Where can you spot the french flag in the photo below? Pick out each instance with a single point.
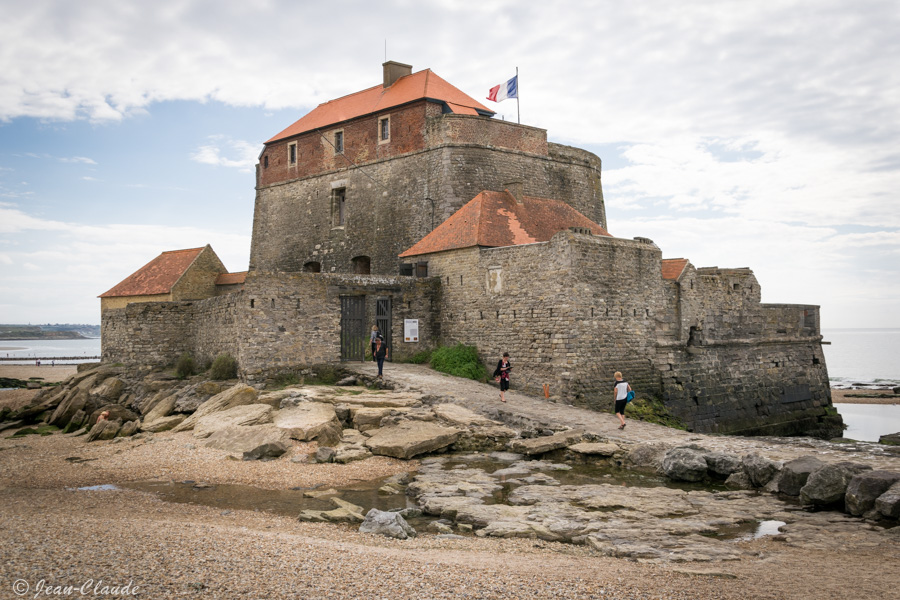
(501, 92)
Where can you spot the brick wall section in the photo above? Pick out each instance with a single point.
(393, 203)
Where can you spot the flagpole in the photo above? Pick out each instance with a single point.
(518, 117)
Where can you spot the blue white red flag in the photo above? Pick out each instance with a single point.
(501, 92)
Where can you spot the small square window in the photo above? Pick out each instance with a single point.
(339, 141)
(384, 129)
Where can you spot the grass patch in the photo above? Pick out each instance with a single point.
(653, 411)
(39, 430)
(459, 360)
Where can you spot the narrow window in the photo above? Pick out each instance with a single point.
(339, 142)
(292, 154)
(266, 161)
(338, 207)
(384, 129)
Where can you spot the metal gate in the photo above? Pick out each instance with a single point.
(383, 320)
(353, 328)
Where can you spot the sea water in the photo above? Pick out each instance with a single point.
(862, 357)
(27, 351)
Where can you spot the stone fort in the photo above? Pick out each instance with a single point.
(408, 206)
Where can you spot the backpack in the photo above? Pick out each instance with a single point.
(630, 396)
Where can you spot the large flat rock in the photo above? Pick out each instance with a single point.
(411, 438)
(244, 439)
(237, 395)
(595, 448)
(308, 421)
(459, 415)
(547, 443)
(237, 416)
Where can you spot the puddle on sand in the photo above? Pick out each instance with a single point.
(97, 488)
(752, 530)
(288, 503)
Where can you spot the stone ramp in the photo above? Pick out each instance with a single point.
(520, 408)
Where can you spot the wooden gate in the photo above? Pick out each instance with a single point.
(383, 320)
(354, 337)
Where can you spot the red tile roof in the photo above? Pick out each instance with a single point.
(418, 86)
(494, 219)
(231, 278)
(157, 276)
(672, 268)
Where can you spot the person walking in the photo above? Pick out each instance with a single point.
(375, 333)
(501, 374)
(620, 396)
(380, 352)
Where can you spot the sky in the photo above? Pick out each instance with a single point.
(735, 134)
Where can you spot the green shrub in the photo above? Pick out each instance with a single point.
(185, 367)
(459, 360)
(224, 367)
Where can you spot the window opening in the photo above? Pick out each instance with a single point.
(422, 269)
(362, 265)
(384, 129)
(266, 161)
(292, 154)
(338, 207)
(312, 267)
(339, 141)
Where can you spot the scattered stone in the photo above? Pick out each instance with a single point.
(129, 428)
(390, 524)
(325, 454)
(267, 451)
(865, 488)
(163, 408)
(345, 453)
(739, 481)
(104, 430)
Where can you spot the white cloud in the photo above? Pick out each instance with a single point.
(222, 151)
(79, 160)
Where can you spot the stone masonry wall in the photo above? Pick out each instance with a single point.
(146, 332)
(199, 280)
(393, 203)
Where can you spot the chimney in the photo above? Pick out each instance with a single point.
(515, 188)
(394, 71)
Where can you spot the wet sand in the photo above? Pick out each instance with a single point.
(45, 371)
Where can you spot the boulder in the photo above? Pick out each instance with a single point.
(346, 512)
(828, 485)
(104, 430)
(115, 412)
(310, 421)
(266, 451)
(390, 524)
(722, 464)
(888, 504)
(891, 439)
(325, 455)
(237, 395)
(739, 481)
(163, 423)
(684, 464)
(74, 401)
(410, 439)
(244, 439)
(191, 397)
(109, 390)
(128, 429)
(236, 416)
(865, 488)
(540, 445)
(647, 455)
(163, 408)
(761, 470)
(795, 474)
(345, 453)
(364, 418)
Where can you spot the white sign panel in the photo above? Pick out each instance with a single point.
(410, 330)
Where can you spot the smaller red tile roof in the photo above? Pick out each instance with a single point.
(494, 219)
(157, 276)
(231, 278)
(418, 86)
(672, 268)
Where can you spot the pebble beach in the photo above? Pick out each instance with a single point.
(56, 534)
